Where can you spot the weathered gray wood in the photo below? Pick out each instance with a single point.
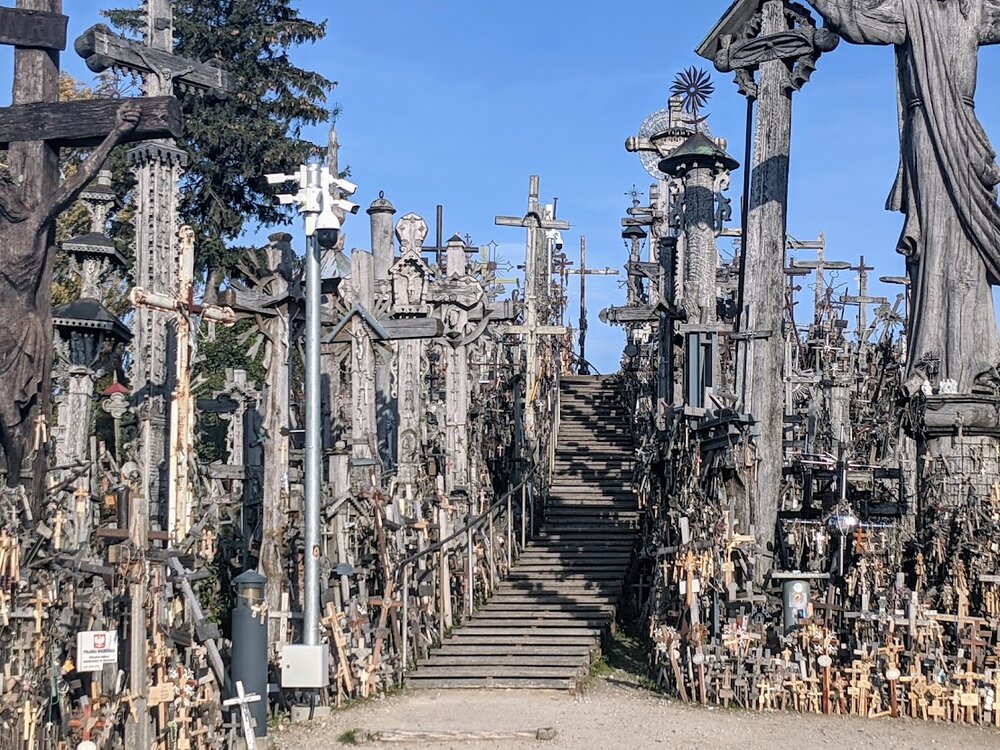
(952, 224)
(85, 124)
(22, 27)
(275, 405)
(363, 412)
(763, 360)
(103, 49)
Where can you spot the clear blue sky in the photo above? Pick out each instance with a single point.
(459, 102)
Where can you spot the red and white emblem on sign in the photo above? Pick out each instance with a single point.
(100, 640)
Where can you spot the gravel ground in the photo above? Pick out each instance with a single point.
(614, 712)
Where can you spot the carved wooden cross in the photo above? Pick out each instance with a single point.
(862, 298)
(180, 495)
(534, 222)
(33, 129)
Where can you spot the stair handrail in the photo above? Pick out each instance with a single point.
(401, 575)
(591, 370)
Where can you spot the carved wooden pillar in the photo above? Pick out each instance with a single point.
(779, 42)
(364, 430)
(275, 414)
(381, 212)
(410, 278)
(457, 386)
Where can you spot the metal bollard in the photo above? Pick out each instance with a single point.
(250, 644)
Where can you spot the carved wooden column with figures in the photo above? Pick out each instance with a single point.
(158, 166)
(410, 277)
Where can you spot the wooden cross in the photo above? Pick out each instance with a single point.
(33, 129)
(40, 602)
(332, 621)
(536, 224)
(243, 700)
(180, 496)
(862, 299)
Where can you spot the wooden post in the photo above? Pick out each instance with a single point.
(762, 359)
(364, 425)
(276, 445)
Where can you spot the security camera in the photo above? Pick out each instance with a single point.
(327, 228)
(327, 238)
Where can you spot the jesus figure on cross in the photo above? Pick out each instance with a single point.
(946, 185)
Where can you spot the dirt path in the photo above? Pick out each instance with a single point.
(614, 712)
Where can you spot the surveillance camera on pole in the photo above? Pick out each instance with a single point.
(320, 200)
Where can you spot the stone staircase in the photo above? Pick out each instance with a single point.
(543, 626)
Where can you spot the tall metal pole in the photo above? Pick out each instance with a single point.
(314, 300)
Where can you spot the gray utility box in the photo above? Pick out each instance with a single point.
(305, 666)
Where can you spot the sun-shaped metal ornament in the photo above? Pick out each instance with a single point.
(695, 88)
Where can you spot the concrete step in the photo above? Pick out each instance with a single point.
(416, 682)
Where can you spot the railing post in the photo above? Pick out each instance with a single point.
(510, 532)
(406, 617)
(524, 509)
(471, 580)
(490, 549)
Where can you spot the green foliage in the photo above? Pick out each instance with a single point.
(257, 129)
(230, 348)
(350, 737)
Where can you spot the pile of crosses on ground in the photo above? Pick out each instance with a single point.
(113, 608)
(876, 595)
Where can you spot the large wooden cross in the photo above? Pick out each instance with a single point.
(31, 197)
(535, 223)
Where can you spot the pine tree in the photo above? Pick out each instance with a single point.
(233, 143)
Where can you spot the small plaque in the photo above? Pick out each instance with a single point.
(825, 661)
(892, 675)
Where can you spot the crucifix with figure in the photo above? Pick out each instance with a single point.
(31, 197)
(180, 503)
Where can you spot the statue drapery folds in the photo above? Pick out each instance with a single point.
(946, 184)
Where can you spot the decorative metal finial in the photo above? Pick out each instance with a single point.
(695, 88)
(635, 194)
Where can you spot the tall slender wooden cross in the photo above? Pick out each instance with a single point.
(33, 129)
(535, 224)
(584, 272)
(180, 493)
(862, 299)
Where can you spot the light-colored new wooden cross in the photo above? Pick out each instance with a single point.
(180, 498)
